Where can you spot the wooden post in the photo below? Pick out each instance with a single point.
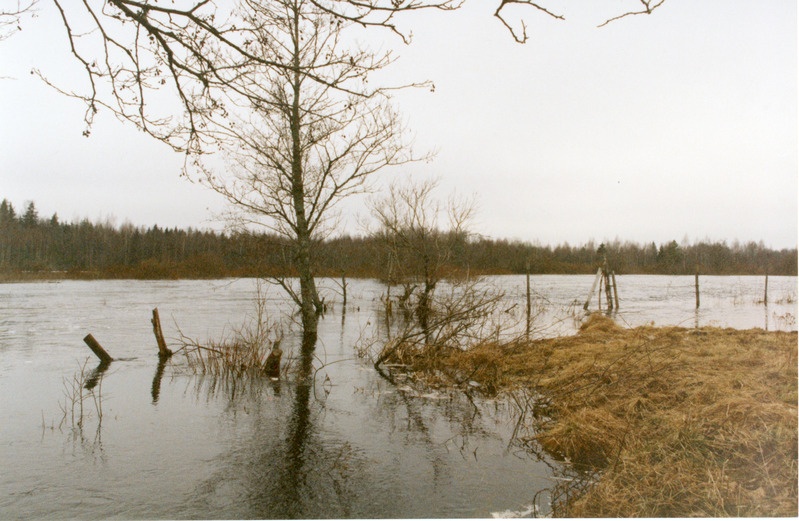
(163, 350)
(593, 288)
(606, 278)
(529, 303)
(344, 292)
(98, 350)
(615, 290)
(696, 284)
(599, 292)
(765, 292)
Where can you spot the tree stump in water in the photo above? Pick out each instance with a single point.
(98, 350)
(163, 350)
(272, 364)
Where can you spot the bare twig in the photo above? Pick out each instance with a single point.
(648, 8)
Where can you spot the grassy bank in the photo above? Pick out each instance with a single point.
(673, 421)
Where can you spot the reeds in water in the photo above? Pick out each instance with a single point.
(251, 350)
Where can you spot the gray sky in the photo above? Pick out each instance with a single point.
(679, 125)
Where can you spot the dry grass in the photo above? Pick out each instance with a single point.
(677, 422)
(229, 358)
(243, 354)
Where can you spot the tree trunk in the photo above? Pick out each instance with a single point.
(310, 305)
(423, 308)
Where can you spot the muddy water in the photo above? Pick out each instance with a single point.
(163, 444)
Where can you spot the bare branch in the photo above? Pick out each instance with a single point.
(521, 36)
(648, 8)
(10, 17)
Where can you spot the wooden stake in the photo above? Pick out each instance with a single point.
(98, 350)
(163, 350)
(696, 284)
(765, 292)
(529, 303)
(606, 279)
(344, 292)
(615, 289)
(593, 288)
(599, 293)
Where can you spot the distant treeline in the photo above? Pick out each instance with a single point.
(31, 246)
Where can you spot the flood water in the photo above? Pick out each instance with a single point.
(156, 442)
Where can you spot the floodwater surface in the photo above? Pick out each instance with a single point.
(156, 442)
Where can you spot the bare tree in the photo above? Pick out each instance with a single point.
(420, 237)
(446, 307)
(306, 132)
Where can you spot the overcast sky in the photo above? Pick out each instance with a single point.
(679, 125)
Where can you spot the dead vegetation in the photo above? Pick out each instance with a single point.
(249, 351)
(667, 421)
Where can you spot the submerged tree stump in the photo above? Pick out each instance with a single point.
(98, 350)
(163, 350)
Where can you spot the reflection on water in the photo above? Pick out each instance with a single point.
(155, 391)
(97, 374)
(338, 441)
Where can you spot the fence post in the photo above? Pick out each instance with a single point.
(696, 285)
(529, 304)
(602, 282)
(593, 288)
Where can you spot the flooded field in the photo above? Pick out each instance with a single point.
(155, 442)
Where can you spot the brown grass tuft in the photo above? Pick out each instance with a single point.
(598, 323)
(588, 437)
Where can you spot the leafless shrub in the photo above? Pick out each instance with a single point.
(461, 315)
(442, 307)
(76, 391)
